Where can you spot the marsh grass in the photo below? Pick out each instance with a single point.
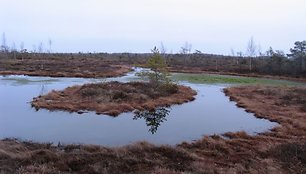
(227, 79)
(290, 154)
(113, 98)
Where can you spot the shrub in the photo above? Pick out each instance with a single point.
(88, 92)
(290, 154)
(119, 95)
(158, 74)
(169, 88)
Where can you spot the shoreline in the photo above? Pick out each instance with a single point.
(262, 153)
(113, 98)
(117, 72)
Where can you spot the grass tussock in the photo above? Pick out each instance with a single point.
(141, 157)
(291, 155)
(113, 98)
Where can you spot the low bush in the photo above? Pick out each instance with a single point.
(290, 154)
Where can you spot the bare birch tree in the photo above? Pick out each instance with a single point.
(22, 50)
(4, 47)
(14, 50)
(186, 50)
(40, 47)
(50, 45)
(251, 51)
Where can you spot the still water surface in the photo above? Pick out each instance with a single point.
(210, 113)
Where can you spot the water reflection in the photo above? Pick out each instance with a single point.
(153, 118)
(185, 122)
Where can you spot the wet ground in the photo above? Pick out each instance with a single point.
(211, 113)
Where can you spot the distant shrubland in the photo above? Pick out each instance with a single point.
(271, 62)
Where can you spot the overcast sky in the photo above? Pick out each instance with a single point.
(212, 26)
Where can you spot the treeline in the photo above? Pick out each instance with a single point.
(271, 63)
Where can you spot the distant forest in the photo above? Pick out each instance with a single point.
(272, 62)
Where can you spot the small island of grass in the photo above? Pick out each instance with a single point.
(113, 98)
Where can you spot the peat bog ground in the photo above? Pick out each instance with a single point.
(113, 98)
(281, 150)
(62, 67)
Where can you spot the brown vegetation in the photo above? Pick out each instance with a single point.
(113, 98)
(23, 157)
(62, 67)
(269, 66)
(282, 150)
(285, 105)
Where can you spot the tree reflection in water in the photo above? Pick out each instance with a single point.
(153, 118)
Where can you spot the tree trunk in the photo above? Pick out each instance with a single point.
(250, 67)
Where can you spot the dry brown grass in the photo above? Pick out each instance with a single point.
(137, 158)
(285, 105)
(113, 98)
(62, 67)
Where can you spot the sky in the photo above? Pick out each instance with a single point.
(211, 26)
